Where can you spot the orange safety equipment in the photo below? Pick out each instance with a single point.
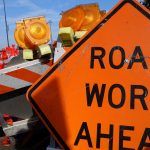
(72, 18)
(20, 36)
(92, 16)
(32, 32)
(81, 17)
(37, 30)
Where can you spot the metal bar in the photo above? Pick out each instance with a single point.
(19, 66)
(6, 24)
(20, 126)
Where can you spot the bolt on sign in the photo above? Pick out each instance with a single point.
(97, 96)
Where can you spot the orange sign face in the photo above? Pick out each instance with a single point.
(97, 96)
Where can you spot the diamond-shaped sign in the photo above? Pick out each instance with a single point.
(97, 95)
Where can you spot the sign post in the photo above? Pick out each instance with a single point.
(97, 96)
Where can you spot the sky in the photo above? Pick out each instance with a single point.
(51, 9)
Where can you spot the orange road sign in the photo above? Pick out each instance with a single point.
(97, 95)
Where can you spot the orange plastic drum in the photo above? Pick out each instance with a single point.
(37, 30)
(72, 18)
(92, 16)
(20, 36)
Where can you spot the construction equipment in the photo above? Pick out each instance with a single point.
(77, 21)
(32, 35)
